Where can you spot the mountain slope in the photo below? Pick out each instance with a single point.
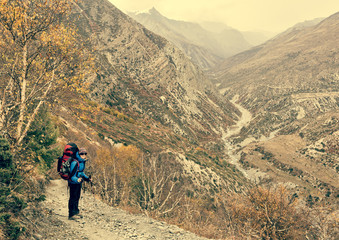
(144, 73)
(291, 86)
(256, 37)
(206, 48)
(298, 62)
(252, 37)
(147, 93)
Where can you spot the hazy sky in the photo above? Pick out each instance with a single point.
(269, 15)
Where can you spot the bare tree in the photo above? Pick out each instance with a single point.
(160, 189)
(267, 214)
(325, 223)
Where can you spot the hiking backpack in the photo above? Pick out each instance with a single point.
(64, 162)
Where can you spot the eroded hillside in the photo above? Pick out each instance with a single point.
(143, 73)
(291, 86)
(146, 93)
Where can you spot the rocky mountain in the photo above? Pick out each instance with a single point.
(163, 142)
(144, 73)
(291, 86)
(147, 93)
(205, 47)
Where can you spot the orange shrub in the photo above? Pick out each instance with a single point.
(267, 214)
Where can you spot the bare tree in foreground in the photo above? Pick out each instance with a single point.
(160, 191)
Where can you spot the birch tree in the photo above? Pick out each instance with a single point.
(39, 54)
(160, 191)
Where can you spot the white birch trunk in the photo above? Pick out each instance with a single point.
(36, 110)
(23, 84)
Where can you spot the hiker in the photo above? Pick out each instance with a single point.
(75, 180)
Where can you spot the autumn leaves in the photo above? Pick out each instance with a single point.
(40, 54)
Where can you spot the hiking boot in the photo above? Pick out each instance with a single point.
(78, 215)
(74, 217)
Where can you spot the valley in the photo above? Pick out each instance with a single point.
(231, 149)
(290, 85)
(267, 116)
(271, 111)
(278, 159)
(178, 128)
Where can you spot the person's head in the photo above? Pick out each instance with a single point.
(83, 153)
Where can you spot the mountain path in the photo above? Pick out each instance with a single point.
(100, 221)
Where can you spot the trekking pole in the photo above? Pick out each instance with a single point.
(93, 191)
(90, 177)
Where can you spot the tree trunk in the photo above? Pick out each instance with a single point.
(23, 84)
(35, 112)
(115, 192)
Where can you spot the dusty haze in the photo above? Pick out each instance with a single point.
(244, 15)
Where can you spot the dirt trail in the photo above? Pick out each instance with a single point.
(101, 221)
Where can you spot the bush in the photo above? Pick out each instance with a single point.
(268, 214)
(115, 169)
(13, 229)
(10, 202)
(40, 139)
(37, 152)
(5, 154)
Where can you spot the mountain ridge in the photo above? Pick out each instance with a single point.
(190, 36)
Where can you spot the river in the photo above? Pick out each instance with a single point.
(231, 150)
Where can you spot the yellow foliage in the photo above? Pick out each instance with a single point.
(115, 170)
(40, 54)
(121, 116)
(104, 159)
(199, 149)
(92, 103)
(125, 159)
(129, 161)
(116, 113)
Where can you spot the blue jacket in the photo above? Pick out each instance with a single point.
(80, 170)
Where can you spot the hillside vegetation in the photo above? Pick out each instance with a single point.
(154, 127)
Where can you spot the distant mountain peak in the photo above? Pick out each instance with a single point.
(154, 11)
(204, 46)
